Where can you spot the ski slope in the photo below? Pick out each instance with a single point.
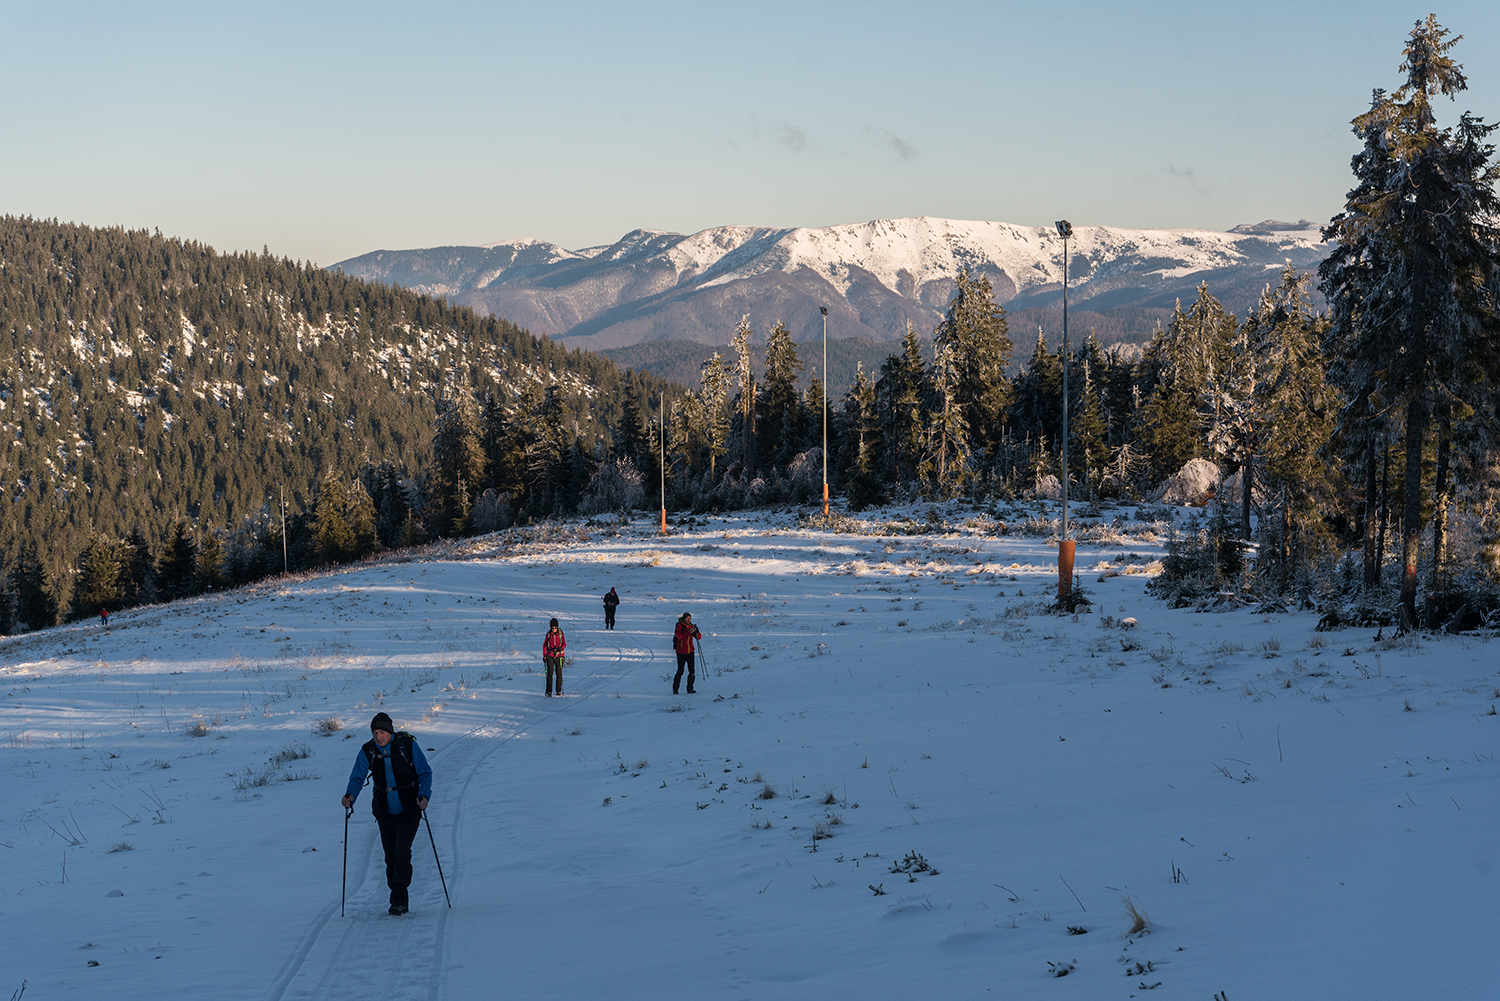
(1300, 814)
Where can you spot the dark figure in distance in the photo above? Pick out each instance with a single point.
(403, 782)
(611, 602)
(103, 615)
(682, 642)
(553, 645)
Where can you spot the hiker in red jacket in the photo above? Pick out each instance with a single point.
(553, 645)
(682, 642)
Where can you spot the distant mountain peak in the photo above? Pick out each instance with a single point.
(874, 276)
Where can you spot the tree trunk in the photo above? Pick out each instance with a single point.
(1247, 483)
(1385, 508)
(1417, 420)
(1440, 498)
(1372, 523)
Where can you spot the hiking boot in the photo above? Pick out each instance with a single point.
(691, 692)
(396, 910)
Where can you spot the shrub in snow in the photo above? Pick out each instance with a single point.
(1194, 483)
(1048, 488)
(491, 512)
(617, 484)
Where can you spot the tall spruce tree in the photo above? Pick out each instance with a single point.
(458, 463)
(1413, 281)
(975, 333)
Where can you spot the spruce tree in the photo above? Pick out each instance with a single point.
(101, 572)
(458, 462)
(975, 333)
(333, 540)
(1413, 280)
(780, 415)
(177, 573)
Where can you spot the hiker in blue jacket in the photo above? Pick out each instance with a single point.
(403, 783)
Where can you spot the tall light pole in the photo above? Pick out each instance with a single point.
(664, 462)
(1064, 544)
(824, 311)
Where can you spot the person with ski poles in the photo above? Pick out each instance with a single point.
(611, 602)
(682, 643)
(403, 784)
(553, 645)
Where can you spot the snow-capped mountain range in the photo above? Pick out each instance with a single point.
(873, 276)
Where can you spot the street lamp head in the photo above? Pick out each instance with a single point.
(823, 310)
(1064, 228)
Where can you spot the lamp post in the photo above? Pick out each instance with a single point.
(1064, 544)
(664, 462)
(824, 311)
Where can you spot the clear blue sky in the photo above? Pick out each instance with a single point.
(326, 130)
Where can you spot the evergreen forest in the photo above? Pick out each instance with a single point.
(157, 398)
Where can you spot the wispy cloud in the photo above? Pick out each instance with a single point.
(902, 149)
(788, 135)
(1189, 175)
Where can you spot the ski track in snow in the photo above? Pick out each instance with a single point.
(336, 959)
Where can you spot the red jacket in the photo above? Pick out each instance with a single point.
(554, 643)
(682, 639)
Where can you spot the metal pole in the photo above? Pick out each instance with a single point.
(283, 529)
(437, 860)
(1064, 544)
(344, 888)
(824, 311)
(1065, 393)
(664, 462)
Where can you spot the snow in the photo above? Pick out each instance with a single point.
(614, 844)
(914, 251)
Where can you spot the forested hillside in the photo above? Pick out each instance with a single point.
(147, 383)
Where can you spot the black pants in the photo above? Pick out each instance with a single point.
(684, 660)
(397, 832)
(554, 669)
(609, 616)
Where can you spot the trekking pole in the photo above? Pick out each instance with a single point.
(699, 644)
(344, 887)
(437, 860)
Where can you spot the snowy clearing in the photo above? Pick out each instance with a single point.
(900, 776)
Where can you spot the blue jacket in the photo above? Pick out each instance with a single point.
(401, 773)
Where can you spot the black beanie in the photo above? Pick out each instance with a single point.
(382, 722)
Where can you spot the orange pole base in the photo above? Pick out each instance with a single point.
(664, 521)
(825, 500)
(1065, 567)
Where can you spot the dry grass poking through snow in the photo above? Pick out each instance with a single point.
(1140, 922)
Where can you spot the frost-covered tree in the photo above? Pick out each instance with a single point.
(899, 395)
(975, 334)
(780, 416)
(1182, 362)
(1414, 276)
(945, 464)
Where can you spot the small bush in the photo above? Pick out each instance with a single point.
(123, 846)
(295, 751)
(767, 791)
(327, 726)
(197, 728)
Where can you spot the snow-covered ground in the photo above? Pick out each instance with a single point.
(1300, 814)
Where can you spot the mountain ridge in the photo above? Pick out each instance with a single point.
(874, 276)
